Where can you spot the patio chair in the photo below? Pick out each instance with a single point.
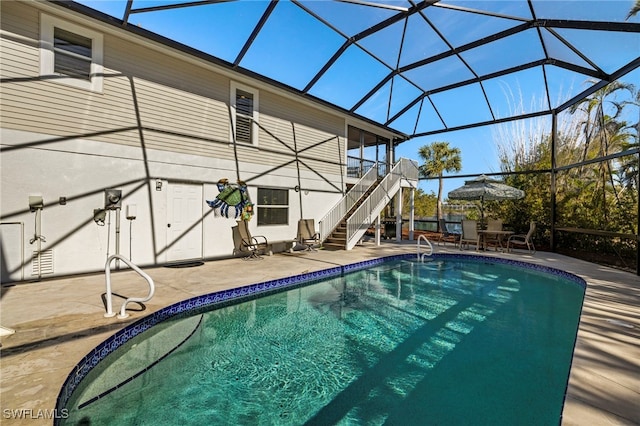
(307, 235)
(523, 240)
(244, 242)
(446, 236)
(493, 239)
(469, 233)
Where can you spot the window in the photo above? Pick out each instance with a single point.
(244, 116)
(244, 107)
(70, 54)
(273, 206)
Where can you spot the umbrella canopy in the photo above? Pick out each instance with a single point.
(484, 188)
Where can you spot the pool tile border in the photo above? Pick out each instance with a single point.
(80, 371)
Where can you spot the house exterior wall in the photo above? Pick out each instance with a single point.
(161, 118)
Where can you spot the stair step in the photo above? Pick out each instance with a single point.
(333, 246)
(331, 240)
(338, 238)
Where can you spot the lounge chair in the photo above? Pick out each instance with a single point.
(246, 243)
(445, 235)
(523, 240)
(469, 233)
(307, 235)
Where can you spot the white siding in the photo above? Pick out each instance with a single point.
(158, 118)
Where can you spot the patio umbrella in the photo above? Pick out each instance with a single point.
(484, 189)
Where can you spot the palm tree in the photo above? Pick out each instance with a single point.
(629, 168)
(604, 133)
(438, 158)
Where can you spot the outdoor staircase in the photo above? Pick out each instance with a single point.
(337, 240)
(346, 223)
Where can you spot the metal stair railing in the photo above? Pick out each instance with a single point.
(369, 210)
(422, 256)
(107, 271)
(333, 218)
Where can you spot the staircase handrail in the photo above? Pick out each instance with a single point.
(367, 212)
(331, 220)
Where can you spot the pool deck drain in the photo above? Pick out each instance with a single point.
(58, 321)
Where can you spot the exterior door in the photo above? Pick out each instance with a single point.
(184, 221)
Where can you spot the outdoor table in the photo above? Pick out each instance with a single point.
(482, 238)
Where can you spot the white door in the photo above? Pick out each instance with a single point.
(184, 221)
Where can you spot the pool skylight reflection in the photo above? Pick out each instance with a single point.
(288, 354)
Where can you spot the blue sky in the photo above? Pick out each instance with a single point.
(293, 46)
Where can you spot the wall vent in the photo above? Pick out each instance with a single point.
(45, 260)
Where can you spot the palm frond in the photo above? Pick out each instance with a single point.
(634, 10)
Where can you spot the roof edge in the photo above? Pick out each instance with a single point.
(120, 25)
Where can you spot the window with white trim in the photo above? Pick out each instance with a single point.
(273, 206)
(70, 54)
(245, 116)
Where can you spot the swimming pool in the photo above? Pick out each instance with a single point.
(456, 340)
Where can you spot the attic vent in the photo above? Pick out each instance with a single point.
(45, 261)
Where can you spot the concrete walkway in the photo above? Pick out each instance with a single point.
(58, 321)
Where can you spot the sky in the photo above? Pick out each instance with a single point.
(282, 51)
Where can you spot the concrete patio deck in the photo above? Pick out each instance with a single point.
(58, 321)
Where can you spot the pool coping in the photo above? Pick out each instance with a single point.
(234, 295)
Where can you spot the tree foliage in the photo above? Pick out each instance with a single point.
(593, 190)
(424, 204)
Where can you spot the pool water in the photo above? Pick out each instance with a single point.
(443, 342)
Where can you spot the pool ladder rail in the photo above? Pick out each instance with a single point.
(422, 256)
(107, 272)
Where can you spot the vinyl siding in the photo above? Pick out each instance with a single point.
(313, 133)
(33, 104)
(180, 106)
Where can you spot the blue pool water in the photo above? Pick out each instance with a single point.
(453, 341)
